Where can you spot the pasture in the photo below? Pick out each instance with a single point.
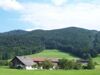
(7, 71)
(55, 54)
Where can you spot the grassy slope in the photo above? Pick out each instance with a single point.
(53, 54)
(97, 59)
(5, 71)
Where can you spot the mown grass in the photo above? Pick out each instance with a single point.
(53, 54)
(7, 71)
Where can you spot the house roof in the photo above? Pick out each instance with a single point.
(55, 60)
(39, 59)
(26, 60)
(43, 59)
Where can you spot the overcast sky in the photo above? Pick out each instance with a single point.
(49, 14)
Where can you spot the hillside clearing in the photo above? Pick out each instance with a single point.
(54, 54)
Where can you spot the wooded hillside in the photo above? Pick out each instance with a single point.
(77, 41)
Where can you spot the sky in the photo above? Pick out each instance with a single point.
(49, 14)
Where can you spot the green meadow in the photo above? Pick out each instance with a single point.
(7, 71)
(56, 54)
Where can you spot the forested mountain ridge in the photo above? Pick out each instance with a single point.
(77, 41)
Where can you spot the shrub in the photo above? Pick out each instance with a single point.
(69, 64)
(90, 64)
(3, 63)
(47, 64)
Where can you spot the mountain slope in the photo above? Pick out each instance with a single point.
(77, 41)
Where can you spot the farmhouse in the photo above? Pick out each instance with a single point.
(21, 62)
(28, 63)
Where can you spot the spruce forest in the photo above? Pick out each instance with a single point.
(76, 41)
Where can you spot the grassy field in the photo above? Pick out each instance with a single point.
(53, 54)
(7, 71)
(97, 59)
(56, 54)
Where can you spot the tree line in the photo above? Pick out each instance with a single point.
(77, 41)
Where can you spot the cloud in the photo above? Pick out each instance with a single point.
(55, 15)
(48, 16)
(10, 5)
(28, 29)
(59, 2)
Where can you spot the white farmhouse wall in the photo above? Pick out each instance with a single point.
(28, 68)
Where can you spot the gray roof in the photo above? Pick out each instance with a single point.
(26, 60)
(54, 59)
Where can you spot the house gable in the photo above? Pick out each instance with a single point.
(15, 63)
(23, 62)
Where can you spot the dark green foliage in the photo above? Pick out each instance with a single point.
(69, 64)
(90, 64)
(77, 41)
(63, 63)
(78, 65)
(3, 63)
(47, 64)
